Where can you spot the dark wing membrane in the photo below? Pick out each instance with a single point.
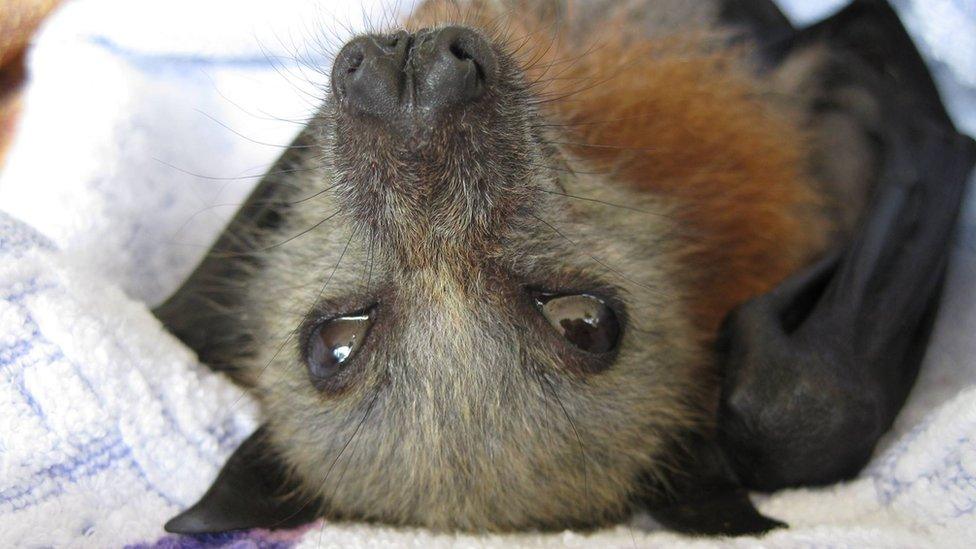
(253, 490)
(205, 312)
(761, 20)
(703, 495)
(872, 38)
(817, 370)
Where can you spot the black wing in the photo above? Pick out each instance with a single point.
(817, 370)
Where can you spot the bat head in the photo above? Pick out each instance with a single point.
(460, 322)
(464, 356)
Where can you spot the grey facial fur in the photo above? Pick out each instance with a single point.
(464, 408)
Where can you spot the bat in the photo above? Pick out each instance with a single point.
(540, 265)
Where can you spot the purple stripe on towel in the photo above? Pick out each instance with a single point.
(229, 540)
(247, 539)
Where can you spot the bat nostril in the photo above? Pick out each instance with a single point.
(455, 69)
(459, 51)
(367, 75)
(355, 60)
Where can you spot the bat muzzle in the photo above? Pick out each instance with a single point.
(415, 76)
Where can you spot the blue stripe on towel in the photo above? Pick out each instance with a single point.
(153, 62)
(16, 236)
(90, 458)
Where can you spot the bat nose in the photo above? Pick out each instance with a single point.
(452, 67)
(426, 73)
(368, 76)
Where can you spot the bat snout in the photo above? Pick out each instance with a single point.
(433, 141)
(404, 76)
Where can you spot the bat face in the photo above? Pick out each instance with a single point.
(483, 296)
(466, 353)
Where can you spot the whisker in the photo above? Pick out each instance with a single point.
(263, 115)
(303, 233)
(305, 317)
(579, 440)
(239, 178)
(594, 122)
(676, 230)
(230, 254)
(545, 399)
(370, 258)
(255, 141)
(603, 146)
(249, 203)
(359, 426)
(605, 203)
(574, 171)
(601, 263)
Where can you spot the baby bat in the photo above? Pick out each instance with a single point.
(536, 265)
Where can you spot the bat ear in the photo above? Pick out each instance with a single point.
(252, 491)
(706, 498)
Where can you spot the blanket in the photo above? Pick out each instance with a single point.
(144, 126)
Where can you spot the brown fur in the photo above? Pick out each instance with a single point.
(19, 20)
(693, 130)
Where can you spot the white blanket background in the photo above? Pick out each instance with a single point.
(146, 124)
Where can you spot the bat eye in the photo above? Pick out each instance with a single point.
(584, 320)
(334, 341)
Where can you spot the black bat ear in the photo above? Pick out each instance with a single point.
(705, 497)
(252, 491)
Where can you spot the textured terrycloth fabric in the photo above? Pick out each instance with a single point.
(98, 437)
(145, 124)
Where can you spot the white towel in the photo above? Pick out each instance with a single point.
(109, 426)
